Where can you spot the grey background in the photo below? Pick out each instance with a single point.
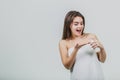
(30, 31)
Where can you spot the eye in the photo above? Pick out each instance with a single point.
(81, 23)
(75, 24)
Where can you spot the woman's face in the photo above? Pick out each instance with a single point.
(77, 26)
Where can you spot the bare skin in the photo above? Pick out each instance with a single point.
(64, 45)
(77, 41)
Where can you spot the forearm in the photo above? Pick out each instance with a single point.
(71, 59)
(101, 55)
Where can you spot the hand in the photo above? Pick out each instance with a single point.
(94, 43)
(81, 43)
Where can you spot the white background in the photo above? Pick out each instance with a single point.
(30, 31)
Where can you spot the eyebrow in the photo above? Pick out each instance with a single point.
(78, 22)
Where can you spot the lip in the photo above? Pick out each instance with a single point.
(78, 31)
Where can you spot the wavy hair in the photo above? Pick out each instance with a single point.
(67, 22)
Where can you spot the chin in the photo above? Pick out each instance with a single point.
(78, 35)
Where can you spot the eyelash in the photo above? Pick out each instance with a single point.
(81, 23)
(77, 24)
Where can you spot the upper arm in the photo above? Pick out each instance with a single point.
(63, 50)
(101, 55)
(93, 36)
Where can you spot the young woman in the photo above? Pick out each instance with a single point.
(77, 49)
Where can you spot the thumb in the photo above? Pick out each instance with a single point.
(77, 45)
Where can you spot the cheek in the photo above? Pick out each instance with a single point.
(82, 27)
(73, 28)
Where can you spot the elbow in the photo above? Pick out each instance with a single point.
(67, 66)
(102, 59)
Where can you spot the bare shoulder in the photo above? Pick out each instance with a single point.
(91, 35)
(62, 43)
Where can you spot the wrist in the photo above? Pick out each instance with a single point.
(76, 49)
(101, 48)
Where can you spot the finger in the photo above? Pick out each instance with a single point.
(77, 45)
(94, 45)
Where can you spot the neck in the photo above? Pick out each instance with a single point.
(78, 37)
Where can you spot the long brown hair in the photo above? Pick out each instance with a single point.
(67, 22)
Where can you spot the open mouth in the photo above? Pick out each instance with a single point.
(78, 30)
